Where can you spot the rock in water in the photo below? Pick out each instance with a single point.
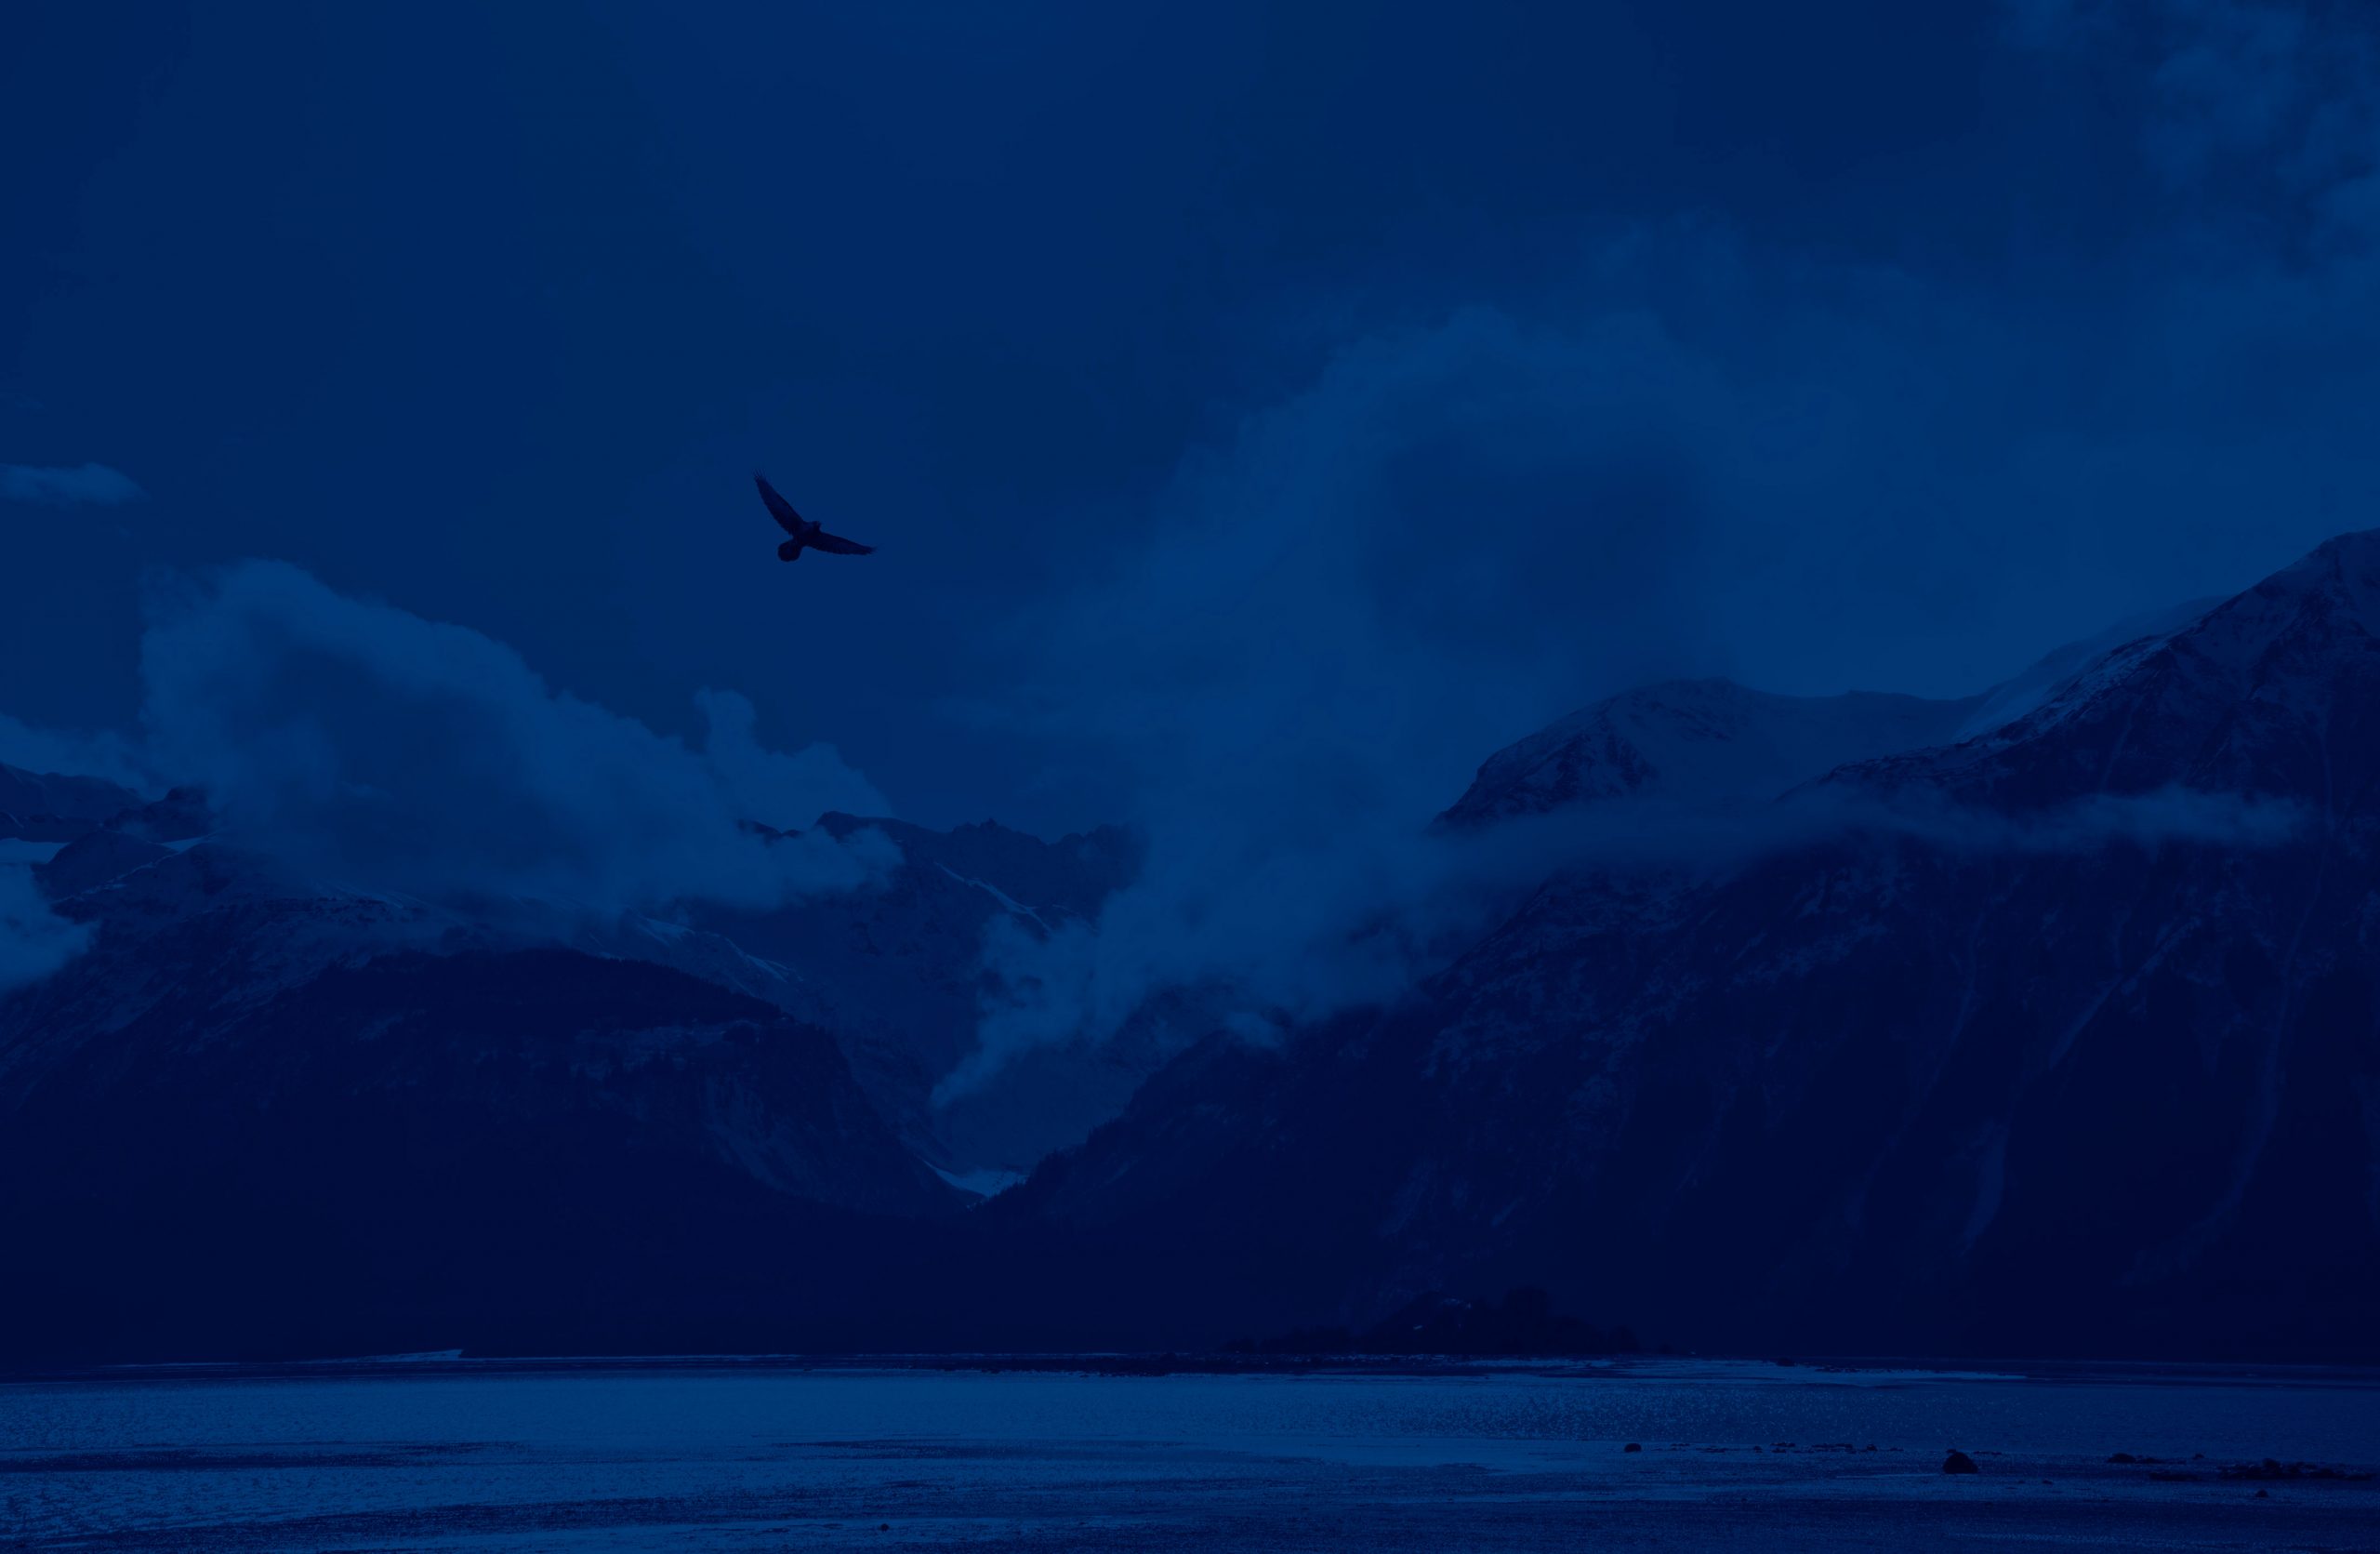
(1958, 1462)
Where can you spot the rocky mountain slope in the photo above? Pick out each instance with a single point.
(1713, 742)
(259, 1081)
(895, 973)
(421, 1150)
(1699, 742)
(2040, 1021)
(2061, 1039)
(892, 971)
(47, 806)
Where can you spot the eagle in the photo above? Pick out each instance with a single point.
(806, 535)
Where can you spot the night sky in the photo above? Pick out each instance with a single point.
(1257, 406)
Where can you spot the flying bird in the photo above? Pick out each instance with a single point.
(806, 535)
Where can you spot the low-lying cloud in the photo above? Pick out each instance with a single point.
(35, 940)
(105, 753)
(1702, 450)
(86, 484)
(2172, 816)
(803, 784)
(1268, 944)
(378, 748)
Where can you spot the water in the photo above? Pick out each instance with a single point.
(456, 1456)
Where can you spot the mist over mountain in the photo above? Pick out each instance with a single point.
(1590, 773)
(368, 745)
(2040, 1020)
(1886, 1087)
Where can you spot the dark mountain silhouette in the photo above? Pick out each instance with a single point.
(896, 972)
(1999, 1087)
(2059, 1034)
(892, 970)
(45, 807)
(1698, 741)
(1714, 742)
(538, 1147)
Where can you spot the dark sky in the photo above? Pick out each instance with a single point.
(1227, 386)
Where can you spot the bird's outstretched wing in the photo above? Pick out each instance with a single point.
(839, 546)
(779, 508)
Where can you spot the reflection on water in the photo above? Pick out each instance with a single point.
(456, 1456)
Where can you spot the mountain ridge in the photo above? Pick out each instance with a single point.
(1868, 1088)
(2083, 1063)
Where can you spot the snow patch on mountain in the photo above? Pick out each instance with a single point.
(2055, 1038)
(2054, 672)
(1696, 742)
(1008, 903)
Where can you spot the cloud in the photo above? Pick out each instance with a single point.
(1260, 940)
(1700, 455)
(35, 941)
(2172, 816)
(93, 484)
(1703, 451)
(788, 791)
(2279, 100)
(105, 753)
(379, 748)
(1298, 937)
(1453, 531)
(1372, 578)
(1460, 531)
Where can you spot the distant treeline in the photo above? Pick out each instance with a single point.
(1523, 1324)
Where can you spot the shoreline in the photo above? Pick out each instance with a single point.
(1684, 1368)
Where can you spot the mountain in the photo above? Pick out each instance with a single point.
(2042, 1021)
(1706, 742)
(895, 972)
(278, 1083)
(261, 1112)
(892, 970)
(2063, 1038)
(262, 1115)
(2061, 667)
(46, 807)
(281, 1125)
(1696, 742)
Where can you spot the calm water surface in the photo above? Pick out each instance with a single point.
(1734, 1457)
